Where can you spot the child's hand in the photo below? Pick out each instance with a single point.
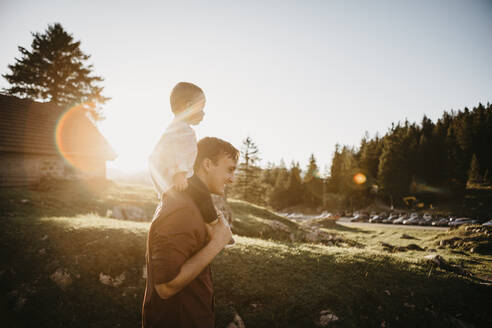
(180, 182)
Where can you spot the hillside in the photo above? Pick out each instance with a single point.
(65, 264)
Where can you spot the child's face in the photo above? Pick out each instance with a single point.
(195, 112)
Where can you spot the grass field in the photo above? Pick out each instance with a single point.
(268, 279)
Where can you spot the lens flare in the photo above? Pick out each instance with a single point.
(359, 178)
(73, 138)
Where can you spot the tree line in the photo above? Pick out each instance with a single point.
(429, 161)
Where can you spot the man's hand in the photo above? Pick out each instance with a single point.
(219, 233)
(180, 182)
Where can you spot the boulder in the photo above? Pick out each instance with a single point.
(110, 281)
(278, 226)
(319, 236)
(436, 259)
(62, 278)
(326, 317)
(126, 212)
(237, 322)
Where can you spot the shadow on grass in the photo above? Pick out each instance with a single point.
(343, 228)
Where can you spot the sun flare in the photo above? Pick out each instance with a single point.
(359, 178)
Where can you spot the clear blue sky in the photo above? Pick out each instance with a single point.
(297, 76)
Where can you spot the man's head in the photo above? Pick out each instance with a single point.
(215, 163)
(187, 102)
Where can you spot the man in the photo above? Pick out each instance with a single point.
(180, 245)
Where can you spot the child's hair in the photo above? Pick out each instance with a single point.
(212, 148)
(184, 93)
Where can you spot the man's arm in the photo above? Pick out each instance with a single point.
(219, 234)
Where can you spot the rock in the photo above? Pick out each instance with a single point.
(105, 279)
(405, 236)
(436, 259)
(42, 251)
(414, 247)
(237, 322)
(312, 236)
(25, 201)
(126, 212)
(326, 317)
(117, 281)
(110, 281)
(44, 237)
(317, 236)
(278, 226)
(62, 278)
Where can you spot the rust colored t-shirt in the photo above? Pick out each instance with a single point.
(177, 232)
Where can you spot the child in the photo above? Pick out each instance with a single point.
(172, 160)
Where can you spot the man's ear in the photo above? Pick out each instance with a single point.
(207, 164)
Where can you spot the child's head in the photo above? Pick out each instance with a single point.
(188, 101)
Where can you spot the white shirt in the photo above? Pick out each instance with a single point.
(175, 152)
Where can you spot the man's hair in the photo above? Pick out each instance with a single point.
(212, 148)
(184, 93)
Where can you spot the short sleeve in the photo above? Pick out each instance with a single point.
(174, 241)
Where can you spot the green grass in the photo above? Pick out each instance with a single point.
(269, 281)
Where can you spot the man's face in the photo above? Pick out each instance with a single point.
(221, 174)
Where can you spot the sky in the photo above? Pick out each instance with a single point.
(297, 77)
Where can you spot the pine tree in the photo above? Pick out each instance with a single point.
(247, 185)
(268, 175)
(456, 165)
(294, 185)
(393, 175)
(474, 174)
(278, 196)
(55, 70)
(313, 184)
(370, 152)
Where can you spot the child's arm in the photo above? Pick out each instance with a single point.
(179, 181)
